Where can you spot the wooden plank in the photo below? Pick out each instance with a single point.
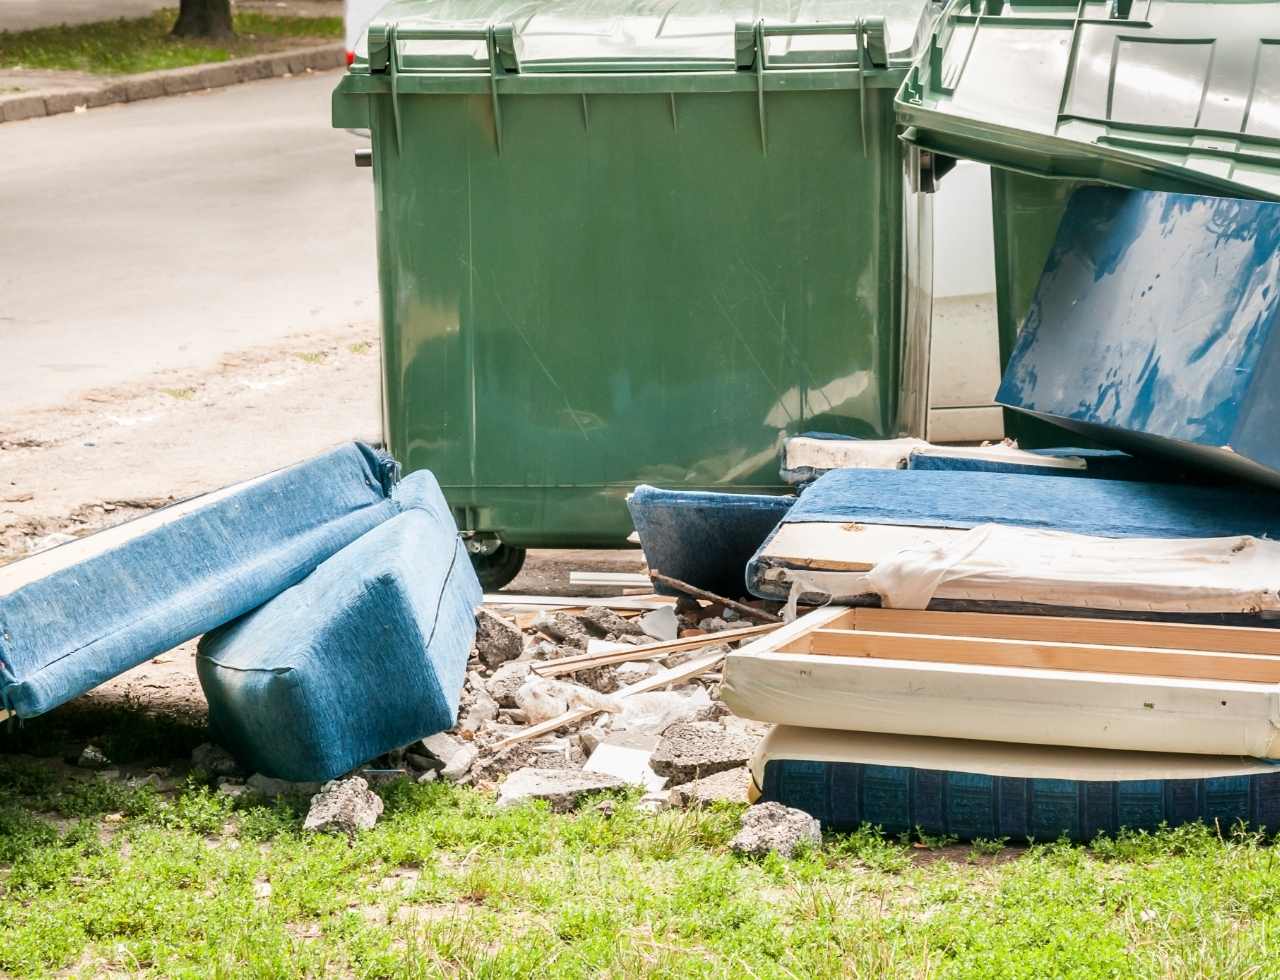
(672, 675)
(647, 651)
(612, 579)
(1108, 632)
(849, 547)
(617, 603)
(1039, 655)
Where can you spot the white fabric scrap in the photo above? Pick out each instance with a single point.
(994, 562)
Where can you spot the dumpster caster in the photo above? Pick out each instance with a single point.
(498, 567)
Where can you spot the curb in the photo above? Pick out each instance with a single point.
(174, 81)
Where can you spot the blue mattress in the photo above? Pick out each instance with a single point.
(705, 539)
(844, 794)
(1156, 328)
(80, 614)
(365, 655)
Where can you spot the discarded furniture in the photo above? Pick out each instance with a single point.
(705, 539)
(850, 521)
(990, 790)
(366, 654)
(1104, 684)
(1156, 327)
(79, 614)
(590, 277)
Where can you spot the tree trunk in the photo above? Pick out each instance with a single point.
(204, 18)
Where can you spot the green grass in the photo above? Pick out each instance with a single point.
(446, 885)
(143, 44)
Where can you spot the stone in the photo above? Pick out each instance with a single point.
(497, 640)
(715, 624)
(214, 759)
(603, 621)
(22, 106)
(271, 787)
(442, 746)
(660, 624)
(523, 755)
(343, 805)
(232, 789)
(729, 786)
(430, 776)
(423, 763)
(506, 681)
(561, 788)
(696, 749)
(92, 757)
(633, 671)
(460, 764)
(483, 708)
(563, 628)
(773, 827)
(146, 86)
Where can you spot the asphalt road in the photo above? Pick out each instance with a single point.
(166, 233)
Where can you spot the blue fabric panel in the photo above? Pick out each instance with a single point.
(844, 796)
(1154, 328)
(1108, 508)
(704, 539)
(964, 464)
(175, 578)
(366, 654)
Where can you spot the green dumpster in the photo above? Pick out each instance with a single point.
(626, 243)
(1172, 95)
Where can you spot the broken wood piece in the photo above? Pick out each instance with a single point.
(647, 651)
(750, 612)
(618, 580)
(641, 603)
(672, 675)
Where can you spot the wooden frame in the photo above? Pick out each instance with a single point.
(1228, 653)
(1114, 684)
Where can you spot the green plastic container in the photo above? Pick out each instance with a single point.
(1172, 95)
(626, 243)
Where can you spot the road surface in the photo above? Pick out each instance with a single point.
(164, 234)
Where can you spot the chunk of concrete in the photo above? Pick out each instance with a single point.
(563, 628)
(460, 764)
(603, 621)
(729, 786)
(344, 806)
(506, 681)
(92, 757)
(561, 788)
(696, 749)
(497, 640)
(442, 746)
(774, 827)
(660, 624)
(627, 757)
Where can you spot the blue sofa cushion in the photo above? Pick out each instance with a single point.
(365, 655)
(79, 614)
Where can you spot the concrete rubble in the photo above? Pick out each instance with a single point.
(770, 827)
(497, 639)
(343, 806)
(729, 786)
(561, 788)
(695, 749)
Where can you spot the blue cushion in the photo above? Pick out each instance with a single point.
(78, 615)
(365, 655)
(704, 539)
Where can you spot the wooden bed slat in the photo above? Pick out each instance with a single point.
(1038, 654)
(1107, 632)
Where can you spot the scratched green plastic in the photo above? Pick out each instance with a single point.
(643, 284)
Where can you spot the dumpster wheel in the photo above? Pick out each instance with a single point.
(498, 567)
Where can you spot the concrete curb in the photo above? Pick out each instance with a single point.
(175, 81)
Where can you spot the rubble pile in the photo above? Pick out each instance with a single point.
(676, 740)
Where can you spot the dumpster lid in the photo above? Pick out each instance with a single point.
(569, 36)
(1160, 94)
